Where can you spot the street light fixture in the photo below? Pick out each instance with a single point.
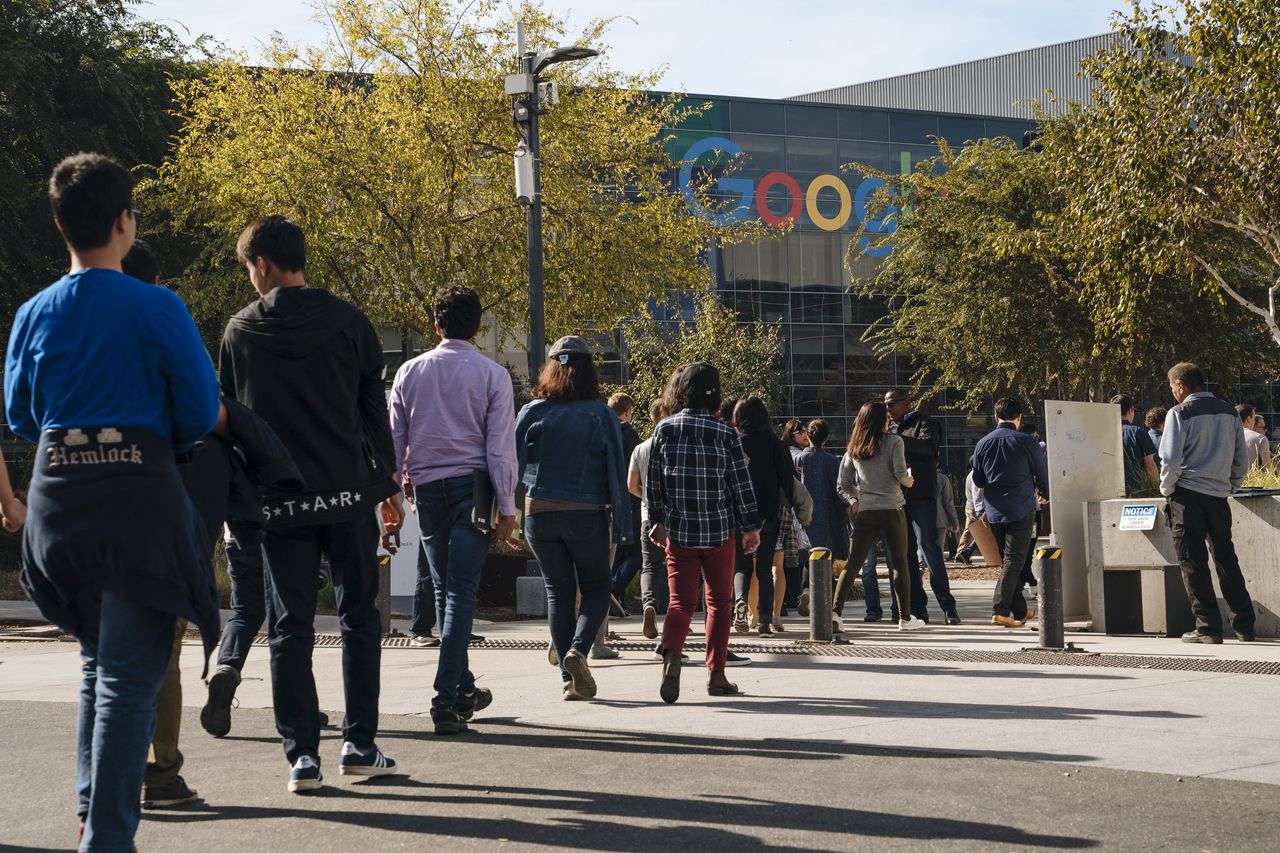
(528, 98)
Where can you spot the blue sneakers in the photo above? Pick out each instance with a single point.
(305, 775)
(369, 763)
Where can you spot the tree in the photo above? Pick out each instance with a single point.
(75, 75)
(392, 146)
(748, 355)
(1178, 160)
(988, 283)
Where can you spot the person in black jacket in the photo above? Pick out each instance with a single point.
(772, 476)
(922, 435)
(627, 558)
(311, 366)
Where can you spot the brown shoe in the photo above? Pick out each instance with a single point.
(718, 685)
(1006, 621)
(670, 689)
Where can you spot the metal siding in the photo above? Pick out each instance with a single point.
(999, 86)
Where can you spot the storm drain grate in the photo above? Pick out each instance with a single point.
(1024, 657)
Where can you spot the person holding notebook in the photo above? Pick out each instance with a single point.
(453, 428)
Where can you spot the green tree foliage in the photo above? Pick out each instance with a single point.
(392, 145)
(1178, 161)
(75, 75)
(989, 284)
(748, 355)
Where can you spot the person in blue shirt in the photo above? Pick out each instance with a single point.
(1139, 450)
(109, 376)
(1010, 468)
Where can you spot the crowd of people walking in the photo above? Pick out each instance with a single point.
(293, 453)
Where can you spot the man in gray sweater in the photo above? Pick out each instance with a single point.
(1203, 458)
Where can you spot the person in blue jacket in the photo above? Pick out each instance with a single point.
(109, 376)
(569, 448)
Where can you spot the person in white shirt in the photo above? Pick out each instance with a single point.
(1256, 443)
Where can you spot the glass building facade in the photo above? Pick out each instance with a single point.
(788, 162)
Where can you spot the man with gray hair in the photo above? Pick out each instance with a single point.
(1203, 459)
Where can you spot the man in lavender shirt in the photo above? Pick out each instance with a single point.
(452, 415)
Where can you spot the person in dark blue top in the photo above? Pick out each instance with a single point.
(569, 448)
(1139, 450)
(1010, 468)
(109, 375)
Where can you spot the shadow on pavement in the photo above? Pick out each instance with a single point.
(606, 820)
(509, 732)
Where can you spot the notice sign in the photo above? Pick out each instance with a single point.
(1138, 517)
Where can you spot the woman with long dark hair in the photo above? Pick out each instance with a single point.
(699, 498)
(569, 446)
(873, 474)
(772, 478)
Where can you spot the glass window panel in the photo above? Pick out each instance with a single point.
(774, 303)
(815, 259)
(812, 121)
(758, 117)
(816, 402)
(816, 354)
(763, 153)
(864, 124)
(863, 368)
(811, 155)
(1011, 129)
(874, 154)
(957, 130)
(912, 127)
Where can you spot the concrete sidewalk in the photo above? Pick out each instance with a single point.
(1185, 723)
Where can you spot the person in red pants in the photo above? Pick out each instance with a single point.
(698, 496)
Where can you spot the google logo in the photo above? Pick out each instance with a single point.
(754, 194)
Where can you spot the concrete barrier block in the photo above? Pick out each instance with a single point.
(531, 597)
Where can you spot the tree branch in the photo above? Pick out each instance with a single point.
(1268, 316)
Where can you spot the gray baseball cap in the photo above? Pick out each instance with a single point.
(569, 345)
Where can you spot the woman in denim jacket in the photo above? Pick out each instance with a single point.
(569, 446)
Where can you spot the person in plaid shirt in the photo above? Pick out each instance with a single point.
(698, 496)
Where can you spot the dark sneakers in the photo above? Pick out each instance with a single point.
(469, 703)
(172, 793)
(1246, 636)
(448, 721)
(215, 716)
(1198, 636)
(305, 775)
(371, 762)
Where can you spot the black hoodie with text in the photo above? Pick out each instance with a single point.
(310, 365)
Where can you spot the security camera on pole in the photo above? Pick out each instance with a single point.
(529, 97)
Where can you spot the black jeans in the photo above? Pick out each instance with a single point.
(1014, 538)
(423, 620)
(572, 547)
(1193, 517)
(761, 564)
(870, 525)
(292, 561)
(653, 574)
(248, 604)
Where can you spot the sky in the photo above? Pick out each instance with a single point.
(756, 48)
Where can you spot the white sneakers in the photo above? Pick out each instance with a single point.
(837, 623)
(912, 624)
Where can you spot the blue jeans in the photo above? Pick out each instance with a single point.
(248, 605)
(125, 649)
(922, 535)
(870, 586)
(456, 552)
(572, 548)
(423, 620)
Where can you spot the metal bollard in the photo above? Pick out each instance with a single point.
(384, 593)
(820, 595)
(1049, 597)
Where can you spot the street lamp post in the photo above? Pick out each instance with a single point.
(528, 96)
